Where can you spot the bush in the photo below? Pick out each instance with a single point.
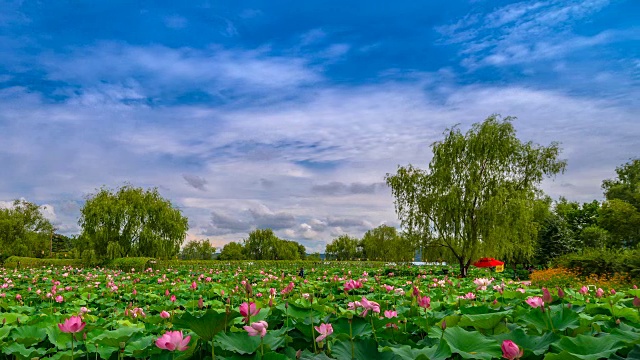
(126, 264)
(23, 262)
(602, 262)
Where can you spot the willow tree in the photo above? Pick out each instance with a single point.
(131, 222)
(477, 197)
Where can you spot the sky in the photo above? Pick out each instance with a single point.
(288, 115)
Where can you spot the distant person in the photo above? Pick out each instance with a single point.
(301, 273)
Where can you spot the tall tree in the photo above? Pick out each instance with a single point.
(24, 231)
(384, 243)
(232, 251)
(344, 247)
(261, 245)
(620, 213)
(477, 197)
(198, 250)
(132, 221)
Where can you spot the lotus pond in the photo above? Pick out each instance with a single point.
(337, 311)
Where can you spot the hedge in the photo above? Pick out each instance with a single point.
(18, 261)
(128, 263)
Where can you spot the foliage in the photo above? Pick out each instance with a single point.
(620, 214)
(24, 231)
(27, 262)
(232, 251)
(127, 264)
(125, 312)
(198, 250)
(384, 243)
(344, 247)
(477, 197)
(622, 221)
(263, 244)
(131, 221)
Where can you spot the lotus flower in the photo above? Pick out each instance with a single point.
(165, 315)
(369, 305)
(599, 292)
(546, 296)
(510, 350)
(352, 284)
(636, 302)
(535, 301)
(72, 325)
(389, 314)
(248, 309)
(257, 328)
(424, 302)
(583, 290)
(173, 340)
(324, 330)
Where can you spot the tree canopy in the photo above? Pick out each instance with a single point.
(131, 221)
(620, 213)
(24, 231)
(198, 250)
(477, 197)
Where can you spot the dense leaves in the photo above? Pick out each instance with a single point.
(374, 313)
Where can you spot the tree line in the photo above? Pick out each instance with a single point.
(479, 196)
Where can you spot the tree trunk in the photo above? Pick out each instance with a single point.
(464, 267)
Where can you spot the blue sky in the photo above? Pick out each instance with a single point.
(289, 114)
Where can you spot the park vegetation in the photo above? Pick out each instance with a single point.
(479, 196)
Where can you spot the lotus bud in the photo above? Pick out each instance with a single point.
(200, 303)
(560, 293)
(444, 325)
(636, 302)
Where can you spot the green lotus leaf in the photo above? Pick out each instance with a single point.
(589, 347)
(471, 344)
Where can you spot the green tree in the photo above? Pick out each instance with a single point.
(626, 186)
(384, 243)
(622, 220)
(24, 231)
(344, 247)
(261, 245)
(620, 213)
(232, 251)
(132, 222)
(198, 250)
(477, 197)
(287, 250)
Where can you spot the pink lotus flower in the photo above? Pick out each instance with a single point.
(546, 296)
(388, 288)
(424, 302)
(194, 285)
(389, 314)
(247, 310)
(72, 325)
(482, 283)
(535, 301)
(257, 328)
(165, 315)
(173, 340)
(59, 299)
(510, 350)
(352, 284)
(200, 303)
(636, 301)
(415, 292)
(324, 330)
(173, 298)
(583, 290)
(369, 305)
(135, 292)
(599, 293)
(18, 297)
(612, 291)
(560, 293)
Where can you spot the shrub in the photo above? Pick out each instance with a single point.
(128, 263)
(17, 261)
